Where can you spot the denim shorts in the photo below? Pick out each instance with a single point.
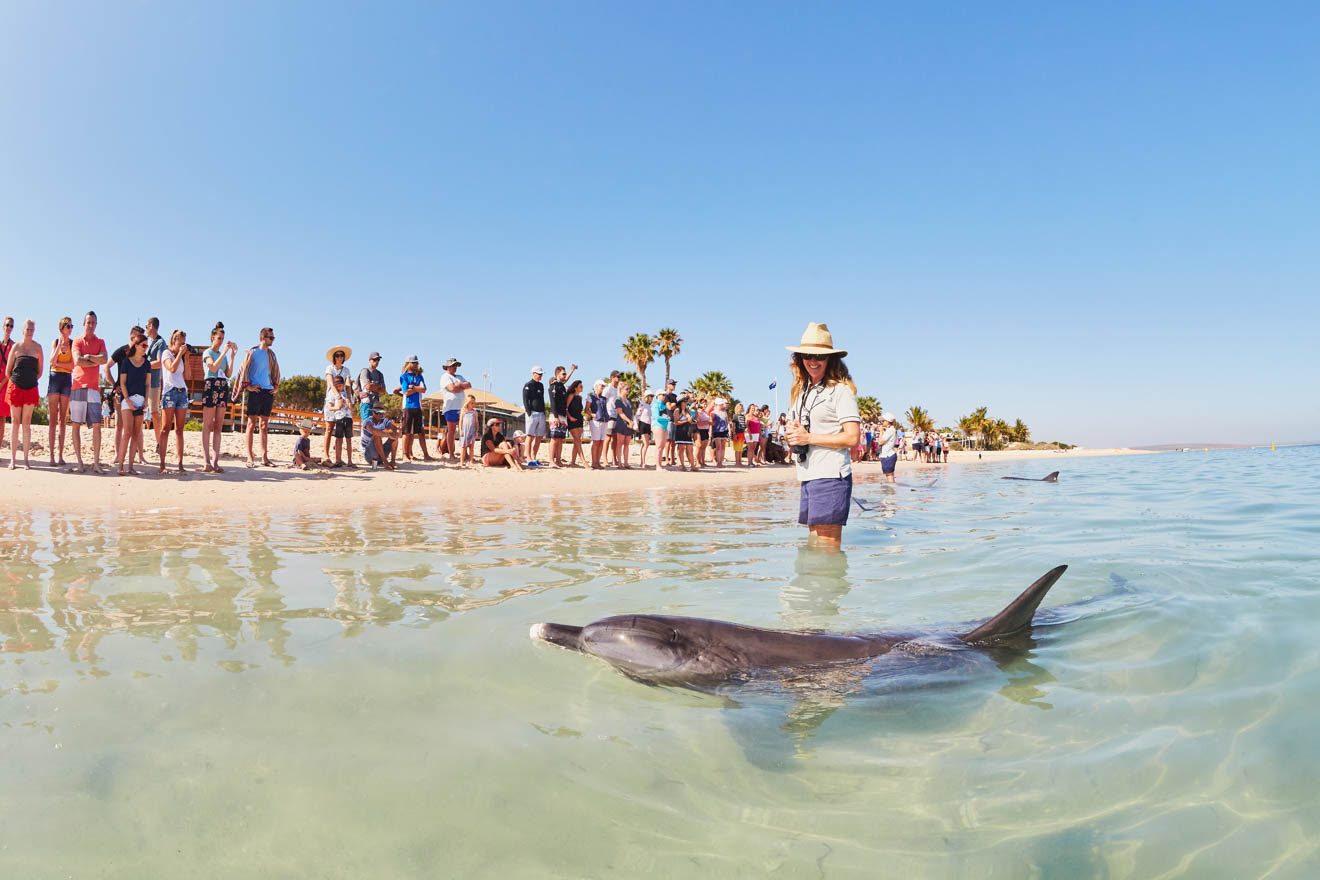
(174, 398)
(59, 383)
(825, 502)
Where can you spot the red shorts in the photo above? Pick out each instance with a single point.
(17, 397)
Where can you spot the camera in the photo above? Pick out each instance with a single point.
(800, 451)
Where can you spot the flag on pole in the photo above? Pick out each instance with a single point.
(773, 384)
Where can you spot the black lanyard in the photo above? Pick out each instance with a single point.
(803, 409)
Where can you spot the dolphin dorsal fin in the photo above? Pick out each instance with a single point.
(1052, 478)
(1018, 614)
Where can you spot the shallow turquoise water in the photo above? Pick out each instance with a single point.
(220, 696)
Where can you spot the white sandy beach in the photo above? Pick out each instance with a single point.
(414, 484)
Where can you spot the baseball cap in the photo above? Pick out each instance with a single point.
(538, 371)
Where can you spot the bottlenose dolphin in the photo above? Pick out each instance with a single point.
(697, 653)
(1050, 478)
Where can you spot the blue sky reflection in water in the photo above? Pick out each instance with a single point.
(358, 697)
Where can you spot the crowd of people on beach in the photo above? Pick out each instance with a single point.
(143, 385)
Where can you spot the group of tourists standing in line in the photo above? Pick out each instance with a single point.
(147, 376)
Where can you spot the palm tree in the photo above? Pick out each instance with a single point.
(869, 409)
(919, 419)
(998, 430)
(713, 384)
(978, 423)
(667, 345)
(639, 351)
(1020, 433)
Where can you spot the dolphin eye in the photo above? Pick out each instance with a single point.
(673, 636)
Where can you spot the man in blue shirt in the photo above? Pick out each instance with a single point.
(261, 375)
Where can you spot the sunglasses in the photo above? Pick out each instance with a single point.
(815, 357)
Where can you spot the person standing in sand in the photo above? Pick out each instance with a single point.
(412, 386)
(575, 422)
(559, 415)
(534, 411)
(454, 390)
(218, 363)
(370, 386)
(624, 427)
(85, 399)
(155, 350)
(260, 376)
(134, 378)
(173, 397)
(6, 346)
(22, 376)
(661, 423)
(826, 421)
(58, 388)
(644, 424)
(336, 368)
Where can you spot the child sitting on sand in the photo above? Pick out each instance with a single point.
(302, 451)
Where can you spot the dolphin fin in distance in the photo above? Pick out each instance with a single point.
(1051, 478)
(1018, 614)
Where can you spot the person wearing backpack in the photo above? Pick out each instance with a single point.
(259, 376)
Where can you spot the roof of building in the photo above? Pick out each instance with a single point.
(483, 399)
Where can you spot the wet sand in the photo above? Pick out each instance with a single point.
(416, 484)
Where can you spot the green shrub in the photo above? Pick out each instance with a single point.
(192, 425)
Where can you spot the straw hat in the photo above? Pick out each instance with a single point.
(330, 353)
(816, 339)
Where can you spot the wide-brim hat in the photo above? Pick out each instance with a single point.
(453, 362)
(307, 425)
(330, 353)
(816, 339)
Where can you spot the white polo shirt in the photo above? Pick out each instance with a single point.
(825, 410)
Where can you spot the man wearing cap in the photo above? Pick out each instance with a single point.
(611, 395)
(379, 439)
(534, 410)
(453, 389)
(824, 425)
(888, 453)
(370, 386)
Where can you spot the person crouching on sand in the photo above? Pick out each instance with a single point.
(497, 451)
(302, 450)
(380, 440)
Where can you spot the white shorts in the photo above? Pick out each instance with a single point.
(753, 438)
(597, 431)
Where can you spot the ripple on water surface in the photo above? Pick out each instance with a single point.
(354, 695)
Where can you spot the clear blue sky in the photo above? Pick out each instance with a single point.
(1101, 219)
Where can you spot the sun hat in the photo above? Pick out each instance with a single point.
(493, 420)
(538, 371)
(453, 362)
(719, 401)
(307, 424)
(330, 353)
(889, 417)
(816, 339)
(413, 359)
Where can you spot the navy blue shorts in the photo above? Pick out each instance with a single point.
(826, 502)
(887, 463)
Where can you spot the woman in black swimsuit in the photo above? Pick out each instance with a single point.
(575, 421)
(23, 372)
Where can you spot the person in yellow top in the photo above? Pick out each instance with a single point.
(58, 387)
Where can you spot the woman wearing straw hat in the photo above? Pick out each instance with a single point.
(824, 425)
(337, 366)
